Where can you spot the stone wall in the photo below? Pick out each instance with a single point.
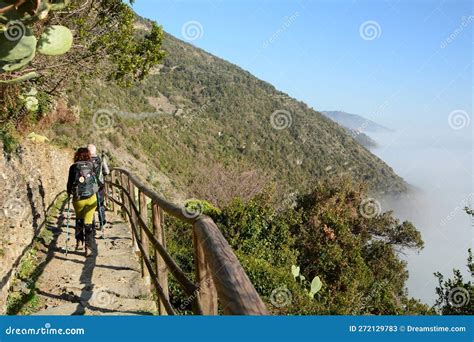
(29, 183)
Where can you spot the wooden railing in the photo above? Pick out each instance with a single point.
(219, 275)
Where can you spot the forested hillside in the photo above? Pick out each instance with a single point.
(197, 112)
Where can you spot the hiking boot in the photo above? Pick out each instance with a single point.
(89, 238)
(79, 230)
(79, 245)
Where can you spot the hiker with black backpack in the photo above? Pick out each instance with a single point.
(101, 170)
(82, 186)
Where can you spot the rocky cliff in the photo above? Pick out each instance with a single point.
(29, 183)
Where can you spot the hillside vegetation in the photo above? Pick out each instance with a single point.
(197, 112)
(324, 235)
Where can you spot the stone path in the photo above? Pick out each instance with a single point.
(107, 283)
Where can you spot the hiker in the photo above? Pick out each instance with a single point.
(82, 186)
(101, 169)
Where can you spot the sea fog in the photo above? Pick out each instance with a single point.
(438, 167)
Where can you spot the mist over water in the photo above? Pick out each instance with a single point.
(439, 169)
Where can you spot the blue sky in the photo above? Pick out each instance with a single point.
(409, 75)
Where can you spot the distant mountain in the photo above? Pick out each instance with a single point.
(362, 138)
(355, 122)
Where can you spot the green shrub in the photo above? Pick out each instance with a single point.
(353, 255)
(203, 207)
(8, 139)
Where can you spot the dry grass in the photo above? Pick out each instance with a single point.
(61, 113)
(220, 185)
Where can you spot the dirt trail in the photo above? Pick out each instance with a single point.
(107, 283)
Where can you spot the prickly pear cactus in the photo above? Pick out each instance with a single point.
(15, 54)
(295, 270)
(56, 40)
(18, 45)
(316, 285)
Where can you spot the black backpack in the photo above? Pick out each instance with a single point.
(97, 163)
(85, 183)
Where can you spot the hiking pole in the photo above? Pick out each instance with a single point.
(67, 223)
(84, 237)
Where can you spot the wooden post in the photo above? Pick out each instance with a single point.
(124, 183)
(160, 265)
(110, 190)
(144, 238)
(207, 289)
(106, 196)
(134, 221)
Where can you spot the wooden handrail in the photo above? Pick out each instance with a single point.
(189, 287)
(180, 276)
(219, 274)
(159, 289)
(234, 288)
(168, 207)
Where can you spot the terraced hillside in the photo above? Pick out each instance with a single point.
(198, 112)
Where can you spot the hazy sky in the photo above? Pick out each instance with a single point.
(402, 63)
(442, 174)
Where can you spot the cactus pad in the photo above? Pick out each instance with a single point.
(55, 40)
(16, 54)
